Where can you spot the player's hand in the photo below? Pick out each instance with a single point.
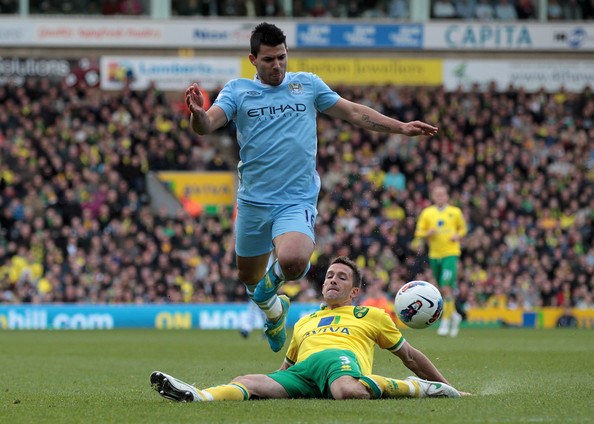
(414, 128)
(465, 393)
(194, 99)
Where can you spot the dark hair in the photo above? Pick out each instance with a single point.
(267, 34)
(352, 265)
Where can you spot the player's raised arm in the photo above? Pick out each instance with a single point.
(202, 121)
(368, 118)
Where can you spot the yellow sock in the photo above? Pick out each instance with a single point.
(448, 308)
(389, 387)
(232, 391)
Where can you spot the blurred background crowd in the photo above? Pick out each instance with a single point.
(369, 9)
(76, 223)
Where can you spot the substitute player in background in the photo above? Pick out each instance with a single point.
(275, 115)
(330, 356)
(443, 226)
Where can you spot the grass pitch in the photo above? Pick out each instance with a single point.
(517, 376)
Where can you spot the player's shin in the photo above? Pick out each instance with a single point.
(449, 308)
(272, 307)
(232, 391)
(389, 387)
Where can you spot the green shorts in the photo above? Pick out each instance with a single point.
(312, 377)
(445, 270)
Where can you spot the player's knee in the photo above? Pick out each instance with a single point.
(242, 379)
(250, 381)
(351, 391)
(293, 266)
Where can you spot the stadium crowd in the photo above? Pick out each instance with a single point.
(377, 9)
(76, 225)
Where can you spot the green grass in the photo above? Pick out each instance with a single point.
(517, 376)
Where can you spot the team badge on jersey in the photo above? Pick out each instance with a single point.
(295, 88)
(360, 311)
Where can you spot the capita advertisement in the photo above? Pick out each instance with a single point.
(167, 73)
(208, 33)
(532, 75)
(508, 36)
(363, 71)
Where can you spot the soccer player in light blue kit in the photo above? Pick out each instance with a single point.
(275, 116)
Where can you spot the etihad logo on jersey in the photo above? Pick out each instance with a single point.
(274, 112)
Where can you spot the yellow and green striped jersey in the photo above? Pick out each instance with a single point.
(447, 222)
(356, 328)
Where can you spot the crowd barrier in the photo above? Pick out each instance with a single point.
(227, 316)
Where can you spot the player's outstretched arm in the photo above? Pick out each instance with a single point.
(365, 117)
(418, 363)
(202, 121)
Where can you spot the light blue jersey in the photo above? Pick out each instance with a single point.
(277, 136)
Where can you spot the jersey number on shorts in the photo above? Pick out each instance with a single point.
(309, 219)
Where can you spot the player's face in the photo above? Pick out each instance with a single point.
(338, 287)
(440, 197)
(271, 64)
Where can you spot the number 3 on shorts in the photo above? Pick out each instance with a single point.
(344, 360)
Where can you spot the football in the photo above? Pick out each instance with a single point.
(418, 304)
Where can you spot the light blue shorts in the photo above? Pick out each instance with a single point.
(257, 225)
